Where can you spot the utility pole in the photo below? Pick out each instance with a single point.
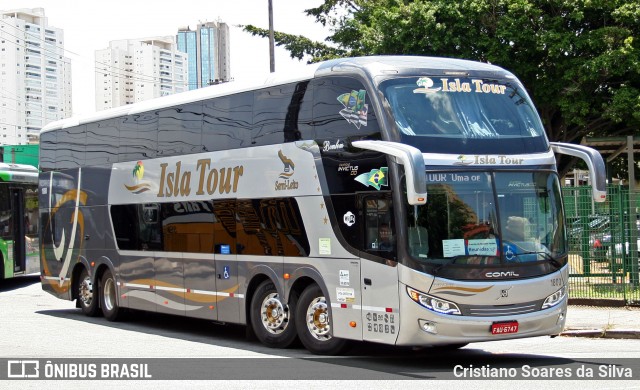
(272, 60)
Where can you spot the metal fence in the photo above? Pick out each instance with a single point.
(603, 244)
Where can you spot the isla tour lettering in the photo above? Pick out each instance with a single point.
(502, 160)
(477, 86)
(174, 182)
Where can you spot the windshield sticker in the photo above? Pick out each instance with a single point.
(355, 109)
(427, 84)
(375, 178)
(452, 248)
(483, 247)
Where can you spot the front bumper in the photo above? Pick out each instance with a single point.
(453, 329)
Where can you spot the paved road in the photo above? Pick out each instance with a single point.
(36, 325)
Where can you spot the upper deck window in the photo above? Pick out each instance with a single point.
(457, 108)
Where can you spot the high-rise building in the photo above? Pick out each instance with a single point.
(208, 50)
(35, 75)
(133, 70)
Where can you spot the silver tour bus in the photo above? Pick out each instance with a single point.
(400, 200)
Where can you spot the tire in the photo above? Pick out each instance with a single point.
(314, 324)
(109, 297)
(272, 320)
(88, 295)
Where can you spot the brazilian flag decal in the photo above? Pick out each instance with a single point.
(376, 178)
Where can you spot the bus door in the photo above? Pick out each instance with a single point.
(379, 273)
(18, 229)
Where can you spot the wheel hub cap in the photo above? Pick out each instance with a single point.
(274, 315)
(318, 319)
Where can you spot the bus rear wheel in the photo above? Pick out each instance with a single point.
(110, 308)
(271, 319)
(88, 295)
(314, 324)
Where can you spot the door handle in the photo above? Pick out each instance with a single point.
(367, 281)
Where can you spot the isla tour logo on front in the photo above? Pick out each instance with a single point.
(23, 369)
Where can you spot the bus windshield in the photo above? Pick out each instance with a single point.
(488, 218)
(440, 114)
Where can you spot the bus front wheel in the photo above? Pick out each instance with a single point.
(314, 324)
(272, 319)
(88, 294)
(110, 308)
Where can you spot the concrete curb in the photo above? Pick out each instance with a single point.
(602, 333)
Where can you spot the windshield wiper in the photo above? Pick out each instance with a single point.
(452, 261)
(546, 256)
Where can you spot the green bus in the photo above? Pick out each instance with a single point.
(19, 220)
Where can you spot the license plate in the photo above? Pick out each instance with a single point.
(504, 327)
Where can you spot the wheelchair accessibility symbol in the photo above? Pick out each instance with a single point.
(509, 254)
(225, 272)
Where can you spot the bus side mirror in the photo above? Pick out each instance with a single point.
(413, 162)
(595, 163)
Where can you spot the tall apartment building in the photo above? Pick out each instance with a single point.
(35, 75)
(208, 50)
(133, 70)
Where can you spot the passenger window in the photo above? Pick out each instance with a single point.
(227, 122)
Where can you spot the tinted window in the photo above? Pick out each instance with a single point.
(228, 226)
(271, 227)
(341, 109)
(298, 122)
(180, 130)
(48, 145)
(124, 219)
(227, 122)
(103, 140)
(70, 147)
(224, 226)
(133, 146)
(269, 113)
(147, 125)
(187, 227)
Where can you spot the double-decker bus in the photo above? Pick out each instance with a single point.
(264, 206)
(19, 220)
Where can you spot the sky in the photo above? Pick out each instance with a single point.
(90, 25)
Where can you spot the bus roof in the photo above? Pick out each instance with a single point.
(17, 167)
(371, 66)
(18, 173)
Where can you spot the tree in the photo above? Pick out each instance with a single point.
(579, 59)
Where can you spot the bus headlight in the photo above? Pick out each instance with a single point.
(432, 303)
(555, 298)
